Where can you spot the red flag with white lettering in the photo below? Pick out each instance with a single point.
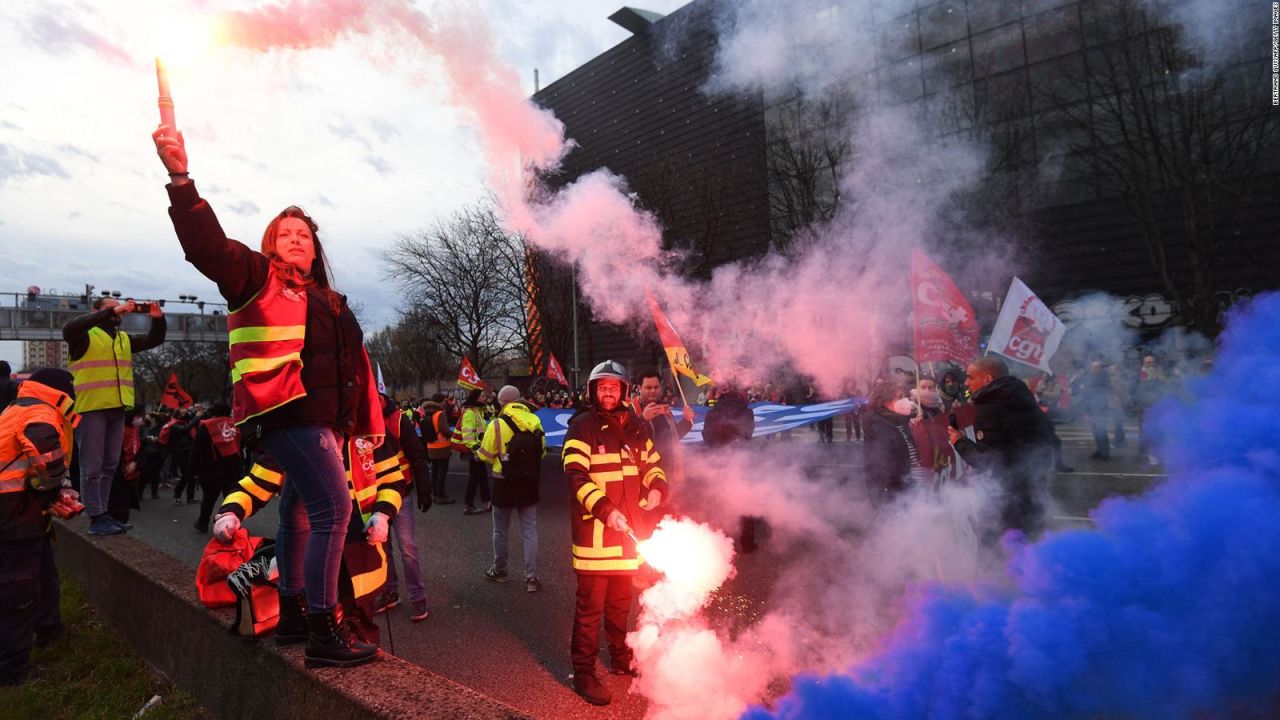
(945, 327)
(468, 377)
(554, 372)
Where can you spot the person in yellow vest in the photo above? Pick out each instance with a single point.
(101, 357)
(471, 429)
(376, 487)
(35, 452)
(302, 384)
(613, 473)
(514, 445)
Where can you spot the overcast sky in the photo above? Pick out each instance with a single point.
(361, 135)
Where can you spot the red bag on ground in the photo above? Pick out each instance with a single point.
(217, 562)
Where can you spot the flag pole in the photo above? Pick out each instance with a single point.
(679, 385)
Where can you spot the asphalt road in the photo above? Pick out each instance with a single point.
(513, 645)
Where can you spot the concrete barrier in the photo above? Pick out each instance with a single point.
(151, 597)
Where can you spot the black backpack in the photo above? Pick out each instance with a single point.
(522, 459)
(521, 468)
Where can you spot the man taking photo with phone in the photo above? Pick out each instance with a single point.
(101, 357)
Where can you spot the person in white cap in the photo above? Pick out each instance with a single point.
(514, 445)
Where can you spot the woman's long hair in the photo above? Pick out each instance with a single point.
(320, 271)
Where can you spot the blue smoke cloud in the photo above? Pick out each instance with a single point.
(1169, 608)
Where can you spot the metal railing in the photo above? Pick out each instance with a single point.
(21, 318)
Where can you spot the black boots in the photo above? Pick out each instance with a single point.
(329, 643)
(292, 625)
(590, 688)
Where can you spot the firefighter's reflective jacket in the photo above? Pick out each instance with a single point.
(610, 464)
(376, 485)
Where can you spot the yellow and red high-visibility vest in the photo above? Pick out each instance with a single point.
(266, 337)
(104, 375)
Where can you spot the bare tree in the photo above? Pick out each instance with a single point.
(806, 149)
(408, 353)
(1175, 140)
(464, 280)
(203, 369)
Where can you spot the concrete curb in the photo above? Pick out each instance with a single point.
(151, 597)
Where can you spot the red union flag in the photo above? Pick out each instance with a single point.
(468, 377)
(945, 327)
(554, 372)
(174, 396)
(1027, 330)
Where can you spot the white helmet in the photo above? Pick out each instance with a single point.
(611, 370)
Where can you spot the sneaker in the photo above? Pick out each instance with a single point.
(532, 585)
(386, 601)
(122, 524)
(444, 500)
(469, 510)
(102, 525)
(420, 611)
(177, 501)
(496, 575)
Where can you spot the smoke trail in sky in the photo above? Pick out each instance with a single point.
(515, 133)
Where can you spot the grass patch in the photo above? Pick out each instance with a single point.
(93, 672)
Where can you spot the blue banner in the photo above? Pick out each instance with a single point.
(770, 418)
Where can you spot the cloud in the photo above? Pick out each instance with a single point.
(56, 31)
(346, 130)
(383, 167)
(253, 163)
(17, 164)
(79, 152)
(324, 201)
(384, 129)
(244, 207)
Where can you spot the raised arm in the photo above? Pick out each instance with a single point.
(238, 271)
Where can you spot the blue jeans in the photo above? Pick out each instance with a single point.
(528, 531)
(402, 536)
(315, 509)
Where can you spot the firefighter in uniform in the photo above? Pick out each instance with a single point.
(613, 473)
(377, 487)
(35, 452)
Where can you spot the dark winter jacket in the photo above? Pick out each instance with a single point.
(888, 451)
(1015, 443)
(208, 466)
(331, 353)
(8, 391)
(666, 431)
(728, 422)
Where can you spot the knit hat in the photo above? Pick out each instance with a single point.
(55, 378)
(508, 393)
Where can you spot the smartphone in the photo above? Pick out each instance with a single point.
(142, 307)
